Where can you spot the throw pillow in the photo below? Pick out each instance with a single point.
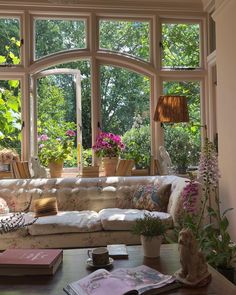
(152, 198)
(45, 207)
(3, 206)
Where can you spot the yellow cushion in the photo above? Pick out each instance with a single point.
(45, 207)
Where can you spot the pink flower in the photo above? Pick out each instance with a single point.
(189, 196)
(70, 133)
(108, 145)
(208, 165)
(43, 137)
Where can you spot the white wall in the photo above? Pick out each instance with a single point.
(225, 17)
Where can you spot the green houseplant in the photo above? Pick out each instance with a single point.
(151, 229)
(53, 150)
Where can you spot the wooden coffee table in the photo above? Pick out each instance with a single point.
(74, 268)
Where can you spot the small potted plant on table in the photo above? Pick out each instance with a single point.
(151, 229)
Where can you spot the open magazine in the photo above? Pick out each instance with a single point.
(122, 281)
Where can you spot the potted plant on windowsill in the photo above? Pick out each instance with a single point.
(54, 150)
(151, 229)
(108, 146)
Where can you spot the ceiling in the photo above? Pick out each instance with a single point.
(193, 5)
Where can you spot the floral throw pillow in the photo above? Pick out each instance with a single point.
(3, 206)
(152, 198)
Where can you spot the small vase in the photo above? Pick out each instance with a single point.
(151, 245)
(56, 168)
(109, 165)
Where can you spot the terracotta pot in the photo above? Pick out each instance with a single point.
(109, 165)
(151, 245)
(56, 168)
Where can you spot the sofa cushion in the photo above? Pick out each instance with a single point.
(151, 197)
(45, 207)
(124, 219)
(66, 222)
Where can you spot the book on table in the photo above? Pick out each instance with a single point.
(118, 251)
(19, 262)
(123, 281)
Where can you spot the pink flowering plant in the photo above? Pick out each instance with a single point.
(213, 237)
(56, 145)
(190, 197)
(108, 145)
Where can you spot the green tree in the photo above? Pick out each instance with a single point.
(10, 41)
(10, 114)
(183, 141)
(124, 94)
(180, 45)
(10, 95)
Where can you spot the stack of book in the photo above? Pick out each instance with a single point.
(21, 169)
(118, 251)
(21, 262)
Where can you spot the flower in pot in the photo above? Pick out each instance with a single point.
(151, 229)
(108, 146)
(54, 150)
(214, 238)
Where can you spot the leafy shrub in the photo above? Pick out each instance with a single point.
(183, 146)
(149, 226)
(138, 146)
(87, 157)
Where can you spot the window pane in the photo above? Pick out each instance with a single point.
(212, 34)
(10, 41)
(54, 35)
(125, 97)
(129, 37)
(180, 46)
(183, 141)
(10, 114)
(57, 109)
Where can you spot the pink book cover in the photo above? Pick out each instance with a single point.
(35, 258)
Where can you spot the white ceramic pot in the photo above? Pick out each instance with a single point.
(151, 245)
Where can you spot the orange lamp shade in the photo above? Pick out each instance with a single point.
(171, 109)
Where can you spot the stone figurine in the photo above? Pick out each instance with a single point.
(194, 269)
(165, 161)
(38, 170)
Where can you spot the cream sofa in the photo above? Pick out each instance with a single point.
(92, 211)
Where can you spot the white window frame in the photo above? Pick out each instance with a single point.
(97, 56)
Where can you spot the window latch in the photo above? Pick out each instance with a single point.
(22, 125)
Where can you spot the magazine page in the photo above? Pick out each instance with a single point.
(100, 282)
(120, 281)
(142, 278)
